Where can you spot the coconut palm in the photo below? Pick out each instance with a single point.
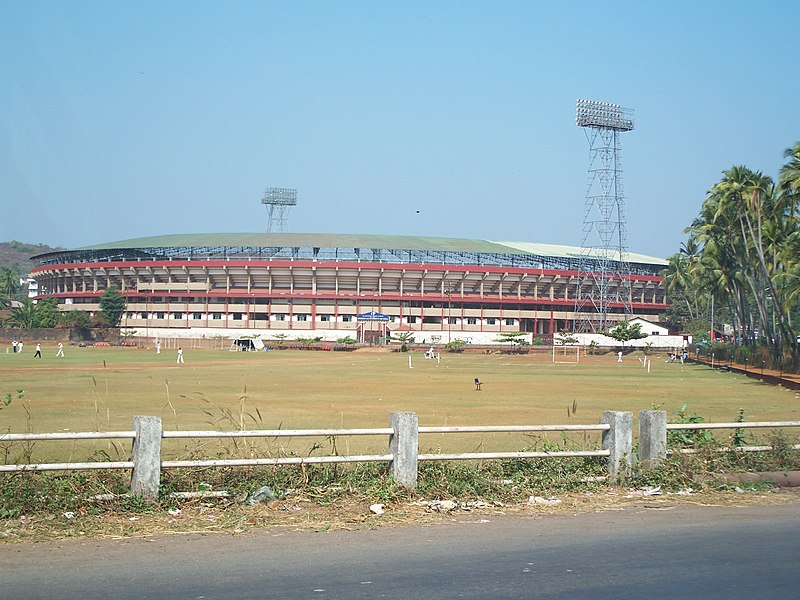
(9, 285)
(22, 316)
(790, 178)
(677, 279)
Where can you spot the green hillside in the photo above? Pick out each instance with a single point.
(17, 255)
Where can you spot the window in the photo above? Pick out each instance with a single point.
(510, 321)
(159, 315)
(237, 316)
(472, 321)
(325, 318)
(302, 317)
(280, 317)
(177, 315)
(217, 316)
(197, 316)
(346, 318)
(412, 319)
(452, 320)
(490, 321)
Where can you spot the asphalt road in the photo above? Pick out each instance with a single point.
(641, 552)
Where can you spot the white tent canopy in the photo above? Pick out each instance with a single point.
(246, 344)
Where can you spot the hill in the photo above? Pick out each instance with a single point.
(17, 254)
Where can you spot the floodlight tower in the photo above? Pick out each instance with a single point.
(278, 201)
(603, 284)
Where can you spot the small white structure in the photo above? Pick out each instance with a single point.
(246, 345)
(29, 283)
(648, 327)
(658, 337)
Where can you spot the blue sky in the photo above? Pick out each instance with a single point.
(123, 119)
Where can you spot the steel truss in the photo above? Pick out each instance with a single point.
(603, 285)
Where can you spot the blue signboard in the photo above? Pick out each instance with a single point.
(373, 316)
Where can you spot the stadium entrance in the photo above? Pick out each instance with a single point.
(372, 328)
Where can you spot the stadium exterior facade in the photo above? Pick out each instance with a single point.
(361, 286)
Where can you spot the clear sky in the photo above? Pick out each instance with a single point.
(446, 118)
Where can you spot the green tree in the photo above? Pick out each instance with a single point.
(788, 280)
(46, 313)
(455, 345)
(564, 338)
(405, 338)
(22, 316)
(307, 342)
(76, 318)
(625, 332)
(747, 260)
(9, 285)
(679, 279)
(790, 179)
(112, 306)
(515, 338)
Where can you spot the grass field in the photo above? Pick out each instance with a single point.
(101, 389)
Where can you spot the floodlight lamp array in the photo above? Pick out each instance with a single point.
(603, 115)
(280, 196)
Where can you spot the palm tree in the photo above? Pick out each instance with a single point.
(746, 202)
(22, 316)
(677, 279)
(790, 178)
(743, 250)
(788, 279)
(9, 285)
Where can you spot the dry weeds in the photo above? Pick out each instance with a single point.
(298, 513)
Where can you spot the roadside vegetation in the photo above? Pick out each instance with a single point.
(48, 506)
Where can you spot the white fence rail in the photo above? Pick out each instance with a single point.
(751, 425)
(403, 455)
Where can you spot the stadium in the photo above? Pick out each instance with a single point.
(367, 287)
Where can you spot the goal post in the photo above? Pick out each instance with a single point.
(565, 354)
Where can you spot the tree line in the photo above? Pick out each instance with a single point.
(24, 314)
(740, 264)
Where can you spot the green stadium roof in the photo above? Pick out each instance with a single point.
(329, 240)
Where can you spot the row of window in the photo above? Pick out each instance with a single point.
(235, 316)
(238, 316)
(281, 303)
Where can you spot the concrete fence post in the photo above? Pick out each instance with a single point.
(652, 438)
(404, 448)
(146, 475)
(619, 441)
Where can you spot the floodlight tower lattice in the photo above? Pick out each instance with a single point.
(278, 202)
(603, 283)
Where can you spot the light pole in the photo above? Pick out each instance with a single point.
(449, 293)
